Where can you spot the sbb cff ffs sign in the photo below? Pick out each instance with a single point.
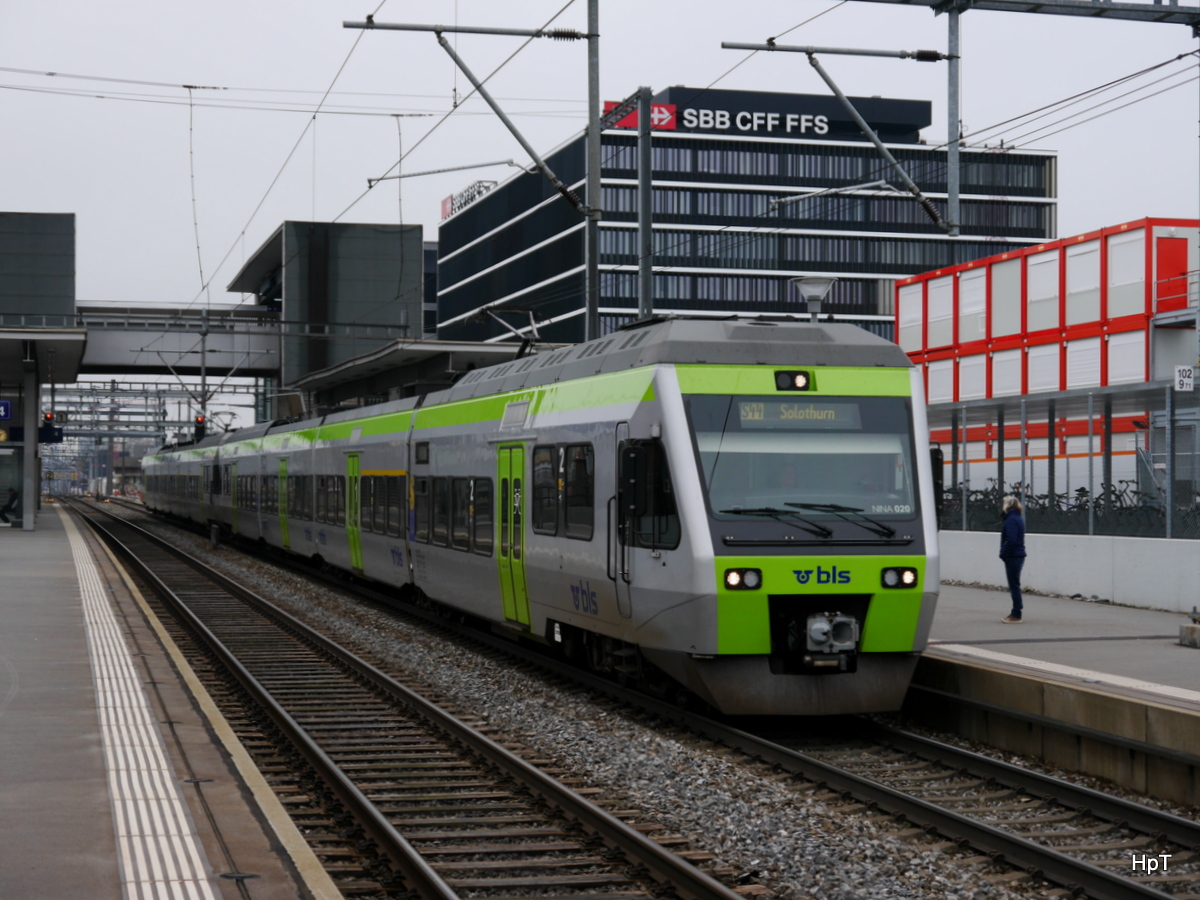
(662, 116)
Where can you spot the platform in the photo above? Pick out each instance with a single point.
(114, 782)
(1098, 670)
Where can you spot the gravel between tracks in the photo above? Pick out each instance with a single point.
(767, 828)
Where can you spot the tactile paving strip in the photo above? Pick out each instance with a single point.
(160, 856)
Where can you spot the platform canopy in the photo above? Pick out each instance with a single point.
(56, 353)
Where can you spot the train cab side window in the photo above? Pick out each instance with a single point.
(658, 527)
(421, 452)
(545, 490)
(421, 510)
(483, 524)
(397, 504)
(441, 511)
(579, 493)
(339, 498)
(460, 514)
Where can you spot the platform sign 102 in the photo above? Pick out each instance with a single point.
(1185, 378)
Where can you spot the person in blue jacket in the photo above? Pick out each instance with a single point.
(1012, 551)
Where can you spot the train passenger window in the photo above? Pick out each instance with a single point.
(421, 510)
(545, 490)
(339, 499)
(226, 480)
(383, 499)
(397, 503)
(366, 502)
(579, 494)
(441, 511)
(460, 514)
(483, 523)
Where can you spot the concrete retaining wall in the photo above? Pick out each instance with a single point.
(1076, 706)
(1135, 571)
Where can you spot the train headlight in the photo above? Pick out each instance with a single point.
(743, 579)
(900, 577)
(793, 381)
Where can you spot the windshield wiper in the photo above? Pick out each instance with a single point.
(837, 509)
(777, 514)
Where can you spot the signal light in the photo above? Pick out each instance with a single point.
(201, 422)
(793, 381)
(48, 418)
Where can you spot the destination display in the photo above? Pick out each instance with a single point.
(790, 415)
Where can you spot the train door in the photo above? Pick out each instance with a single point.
(234, 496)
(620, 557)
(354, 512)
(511, 558)
(281, 499)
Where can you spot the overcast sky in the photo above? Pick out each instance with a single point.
(124, 164)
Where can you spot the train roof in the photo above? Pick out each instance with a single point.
(690, 341)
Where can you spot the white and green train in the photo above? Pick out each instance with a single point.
(742, 508)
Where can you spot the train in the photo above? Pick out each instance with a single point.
(736, 510)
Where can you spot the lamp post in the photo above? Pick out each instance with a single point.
(814, 289)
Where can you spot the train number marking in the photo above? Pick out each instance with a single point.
(397, 557)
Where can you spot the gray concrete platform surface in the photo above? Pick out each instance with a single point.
(1128, 644)
(113, 782)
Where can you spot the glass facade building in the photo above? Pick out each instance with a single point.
(719, 160)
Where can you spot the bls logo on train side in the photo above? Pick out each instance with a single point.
(583, 598)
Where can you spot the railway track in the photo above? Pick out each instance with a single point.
(437, 807)
(1016, 822)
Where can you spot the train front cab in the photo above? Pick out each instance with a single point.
(823, 564)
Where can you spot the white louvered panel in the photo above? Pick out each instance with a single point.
(1041, 281)
(972, 377)
(1006, 297)
(1126, 274)
(941, 312)
(972, 305)
(912, 315)
(1127, 357)
(941, 381)
(1043, 368)
(1083, 283)
(1006, 373)
(1083, 363)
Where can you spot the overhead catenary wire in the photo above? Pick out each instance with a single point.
(287, 160)
(439, 122)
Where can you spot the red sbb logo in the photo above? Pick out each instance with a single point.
(662, 116)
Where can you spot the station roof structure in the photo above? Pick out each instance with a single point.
(56, 352)
(1127, 400)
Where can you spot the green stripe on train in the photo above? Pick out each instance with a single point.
(829, 380)
(632, 386)
(743, 617)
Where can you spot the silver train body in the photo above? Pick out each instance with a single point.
(669, 503)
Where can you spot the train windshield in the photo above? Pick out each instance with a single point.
(815, 457)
